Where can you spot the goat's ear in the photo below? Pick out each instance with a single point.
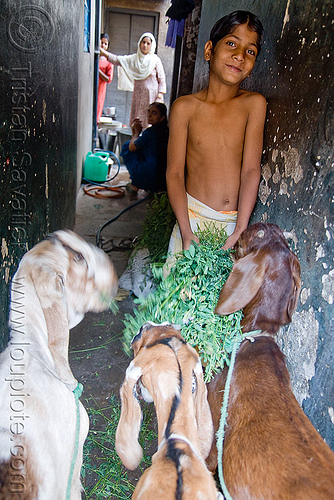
(203, 413)
(126, 441)
(49, 287)
(242, 284)
(296, 286)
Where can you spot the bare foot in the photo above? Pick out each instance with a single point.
(130, 187)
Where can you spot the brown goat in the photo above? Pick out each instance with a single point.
(271, 450)
(167, 371)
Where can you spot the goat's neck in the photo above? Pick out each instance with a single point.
(183, 422)
(251, 323)
(27, 323)
(26, 318)
(262, 350)
(163, 409)
(253, 336)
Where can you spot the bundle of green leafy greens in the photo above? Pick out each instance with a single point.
(157, 228)
(188, 295)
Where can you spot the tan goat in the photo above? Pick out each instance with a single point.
(167, 371)
(42, 425)
(271, 450)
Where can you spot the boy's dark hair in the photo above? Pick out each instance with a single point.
(228, 23)
(106, 36)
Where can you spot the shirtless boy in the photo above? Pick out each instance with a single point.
(216, 137)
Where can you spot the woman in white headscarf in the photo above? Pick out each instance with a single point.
(141, 73)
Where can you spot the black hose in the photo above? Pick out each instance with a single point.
(103, 185)
(117, 216)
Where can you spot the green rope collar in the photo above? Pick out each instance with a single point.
(77, 393)
(223, 416)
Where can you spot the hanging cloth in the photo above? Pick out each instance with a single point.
(175, 28)
(136, 66)
(180, 9)
(177, 12)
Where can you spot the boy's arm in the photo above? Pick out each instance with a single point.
(251, 166)
(175, 175)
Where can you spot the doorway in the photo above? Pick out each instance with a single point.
(124, 28)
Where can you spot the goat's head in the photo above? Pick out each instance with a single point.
(90, 281)
(148, 335)
(168, 367)
(70, 277)
(265, 280)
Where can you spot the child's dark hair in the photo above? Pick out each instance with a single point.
(228, 23)
(162, 109)
(106, 36)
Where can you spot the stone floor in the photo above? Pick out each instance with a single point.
(96, 354)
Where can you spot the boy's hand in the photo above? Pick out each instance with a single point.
(231, 240)
(187, 241)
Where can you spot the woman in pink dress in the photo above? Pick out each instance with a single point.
(106, 71)
(142, 73)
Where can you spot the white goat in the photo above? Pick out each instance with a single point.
(42, 423)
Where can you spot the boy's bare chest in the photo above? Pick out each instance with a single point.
(220, 127)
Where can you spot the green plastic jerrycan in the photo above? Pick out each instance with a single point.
(96, 166)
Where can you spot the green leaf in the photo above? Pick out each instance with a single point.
(188, 296)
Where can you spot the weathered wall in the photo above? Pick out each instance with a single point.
(189, 50)
(85, 85)
(294, 72)
(38, 131)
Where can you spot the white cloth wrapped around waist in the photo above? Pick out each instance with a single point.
(199, 215)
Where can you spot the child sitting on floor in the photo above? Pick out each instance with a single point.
(145, 155)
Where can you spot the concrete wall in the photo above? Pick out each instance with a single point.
(294, 72)
(85, 92)
(39, 77)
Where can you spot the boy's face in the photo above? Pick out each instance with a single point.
(234, 56)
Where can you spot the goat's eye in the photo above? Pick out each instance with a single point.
(61, 279)
(193, 383)
(260, 233)
(77, 257)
